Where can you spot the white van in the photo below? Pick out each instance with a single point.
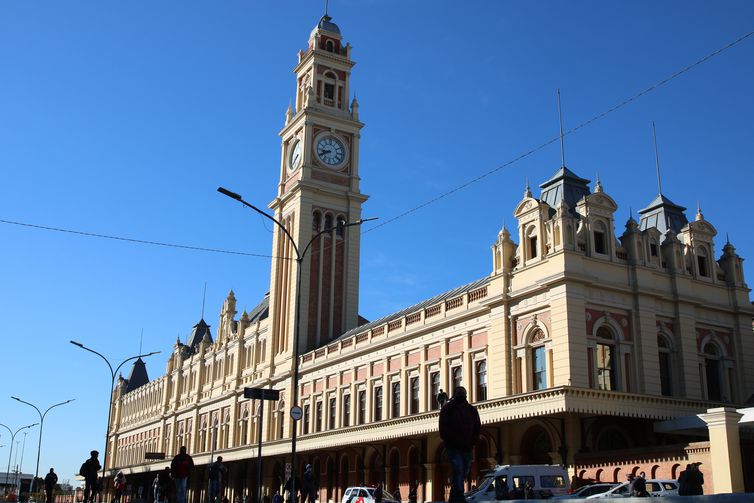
(546, 481)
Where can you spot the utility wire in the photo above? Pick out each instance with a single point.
(555, 139)
(131, 240)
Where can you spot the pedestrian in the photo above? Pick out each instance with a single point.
(276, 498)
(217, 473)
(89, 470)
(309, 485)
(459, 430)
(528, 490)
(397, 494)
(695, 480)
(292, 498)
(162, 485)
(180, 469)
(50, 480)
(442, 397)
(378, 493)
(683, 481)
(639, 487)
(120, 486)
(501, 488)
(412, 492)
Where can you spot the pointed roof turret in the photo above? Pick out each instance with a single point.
(138, 376)
(663, 214)
(198, 333)
(565, 185)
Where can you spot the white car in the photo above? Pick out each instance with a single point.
(545, 480)
(588, 490)
(365, 495)
(655, 487)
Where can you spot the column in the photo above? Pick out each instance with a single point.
(725, 449)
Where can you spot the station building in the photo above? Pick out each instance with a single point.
(591, 343)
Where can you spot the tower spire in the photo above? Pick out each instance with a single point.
(562, 143)
(141, 339)
(657, 159)
(204, 298)
(326, 1)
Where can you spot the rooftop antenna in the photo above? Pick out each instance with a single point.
(562, 143)
(204, 298)
(326, 7)
(141, 339)
(657, 159)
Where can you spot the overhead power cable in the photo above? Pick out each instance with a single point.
(555, 139)
(132, 240)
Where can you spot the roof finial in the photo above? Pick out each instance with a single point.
(657, 159)
(562, 143)
(326, 7)
(699, 215)
(204, 298)
(598, 184)
(727, 238)
(527, 192)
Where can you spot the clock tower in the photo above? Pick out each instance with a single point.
(319, 187)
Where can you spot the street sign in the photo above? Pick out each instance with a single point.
(261, 393)
(154, 455)
(296, 412)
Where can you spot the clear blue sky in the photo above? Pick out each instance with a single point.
(122, 118)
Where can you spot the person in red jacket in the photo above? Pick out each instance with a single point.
(180, 469)
(459, 430)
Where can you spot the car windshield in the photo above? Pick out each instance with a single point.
(482, 485)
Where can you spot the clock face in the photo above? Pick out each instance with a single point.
(295, 157)
(331, 151)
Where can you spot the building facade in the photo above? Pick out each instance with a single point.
(578, 348)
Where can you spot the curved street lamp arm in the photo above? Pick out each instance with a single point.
(112, 373)
(41, 417)
(239, 198)
(132, 358)
(57, 405)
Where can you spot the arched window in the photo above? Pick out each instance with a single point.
(318, 416)
(329, 82)
(316, 221)
(712, 370)
(664, 354)
(340, 226)
(414, 403)
(600, 238)
(434, 389)
(481, 380)
(377, 404)
(653, 249)
(701, 259)
(328, 223)
(244, 440)
(331, 412)
(606, 359)
(329, 46)
(305, 425)
(537, 355)
(346, 410)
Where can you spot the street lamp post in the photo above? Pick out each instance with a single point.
(10, 451)
(41, 425)
(300, 254)
(110, 399)
(23, 449)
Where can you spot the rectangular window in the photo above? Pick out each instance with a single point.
(329, 91)
(481, 380)
(539, 368)
(702, 261)
(377, 404)
(599, 242)
(305, 426)
(362, 406)
(434, 389)
(318, 417)
(653, 249)
(414, 384)
(332, 408)
(605, 370)
(396, 391)
(457, 374)
(346, 410)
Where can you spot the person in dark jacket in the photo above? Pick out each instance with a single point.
(180, 469)
(695, 480)
(683, 481)
(89, 471)
(459, 430)
(50, 480)
(309, 487)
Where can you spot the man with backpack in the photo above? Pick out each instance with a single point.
(89, 470)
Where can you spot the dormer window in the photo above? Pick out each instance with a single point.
(531, 243)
